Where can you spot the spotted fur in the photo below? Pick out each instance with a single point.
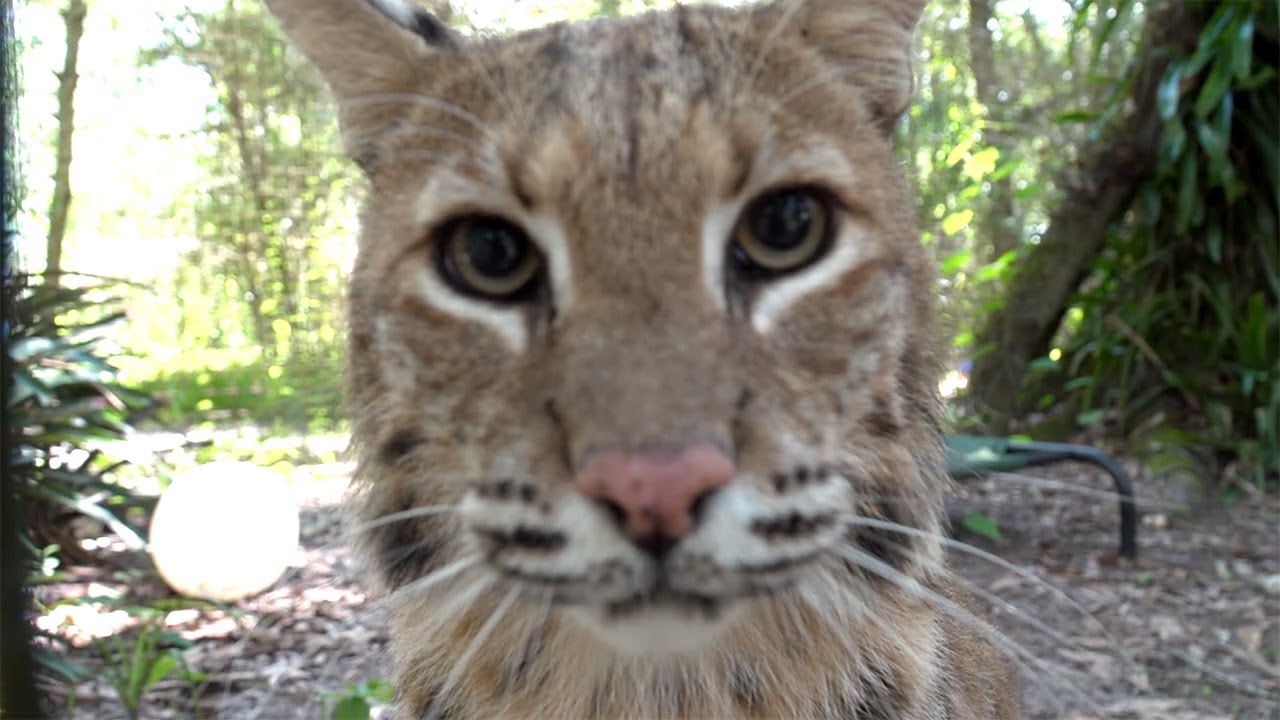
(626, 149)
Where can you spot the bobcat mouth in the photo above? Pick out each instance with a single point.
(663, 597)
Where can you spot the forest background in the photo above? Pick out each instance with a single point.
(1099, 180)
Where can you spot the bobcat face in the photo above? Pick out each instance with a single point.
(640, 303)
(642, 372)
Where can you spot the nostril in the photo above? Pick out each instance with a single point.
(616, 513)
(699, 506)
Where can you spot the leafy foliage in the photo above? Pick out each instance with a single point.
(1183, 306)
(986, 150)
(300, 394)
(356, 701)
(271, 214)
(64, 399)
(133, 668)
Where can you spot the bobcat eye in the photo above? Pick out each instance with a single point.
(783, 230)
(488, 256)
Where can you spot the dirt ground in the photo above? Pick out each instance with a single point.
(1190, 630)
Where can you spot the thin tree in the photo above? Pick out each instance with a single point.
(67, 79)
(998, 227)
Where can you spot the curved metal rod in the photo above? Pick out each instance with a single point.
(1043, 453)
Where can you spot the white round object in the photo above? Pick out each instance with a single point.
(224, 531)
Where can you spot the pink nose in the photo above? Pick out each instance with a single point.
(655, 492)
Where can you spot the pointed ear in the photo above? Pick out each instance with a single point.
(362, 46)
(869, 43)
(365, 49)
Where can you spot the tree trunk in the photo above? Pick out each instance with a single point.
(67, 79)
(998, 226)
(1095, 194)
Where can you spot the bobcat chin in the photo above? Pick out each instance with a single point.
(643, 366)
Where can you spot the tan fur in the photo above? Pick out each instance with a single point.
(625, 134)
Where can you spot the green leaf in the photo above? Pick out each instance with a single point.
(980, 524)
(957, 221)
(380, 690)
(1168, 93)
(1044, 364)
(351, 708)
(996, 268)
(1215, 86)
(959, 152)
(1242, 49)
(955, 262)
(1213, 241)
(981, 163)
(160, 669)
(1004, 170)
(1090, 417)
(1078, 116)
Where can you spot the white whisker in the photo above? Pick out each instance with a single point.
(410, 514)
(464, 660)
(825, 77)
(767, 45)
(998, 562)
(497, 91)
(1013, 651)
(1039, 482)
(533, 643)
(433, 579)
(444, 106)
(432, 131)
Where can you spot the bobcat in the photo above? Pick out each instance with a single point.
(643, 366)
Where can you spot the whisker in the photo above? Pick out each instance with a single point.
(464, 659)
(1003, 604)
(410, 514)
(1223, 677)
(1033, 481)
(433, 131)
(533, 642)
(447, 157)
(767, 45)
(825, 77)
(497, 91)
(444, 106)
(999, 562)
(433, 579)
(1013, 651)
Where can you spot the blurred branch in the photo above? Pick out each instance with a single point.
(67, 80)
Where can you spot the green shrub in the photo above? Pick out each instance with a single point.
(1182, 311)
(64, 401)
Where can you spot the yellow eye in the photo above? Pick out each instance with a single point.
(783, 230)
(489, 257)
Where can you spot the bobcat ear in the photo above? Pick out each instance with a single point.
(363, 49)
(362, 46)
(869, 44)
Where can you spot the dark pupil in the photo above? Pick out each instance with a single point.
(494, 250)
(782, 221)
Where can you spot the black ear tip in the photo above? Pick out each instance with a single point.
(415, 20)
(431, 29)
